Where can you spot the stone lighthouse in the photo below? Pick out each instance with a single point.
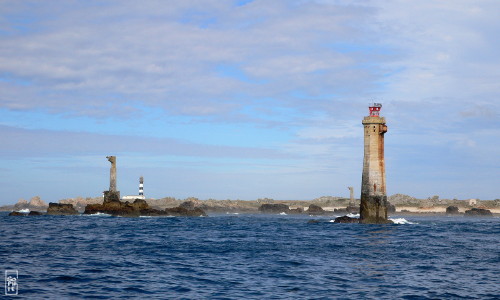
(373, 207)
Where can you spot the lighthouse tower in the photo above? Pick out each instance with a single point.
(373, 207)
(141, 187)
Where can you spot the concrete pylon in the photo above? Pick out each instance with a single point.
(112, 173)
(351, 195)
(373, 208)
(112, 194)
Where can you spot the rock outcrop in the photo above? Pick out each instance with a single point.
(58, 209)
(37, 202)
(115, 207)
(452, 210)
(315, 210)
(297, 210)
(346, 219)
(35, 213)
(141, 208)
(191, 204)
(478, 212)
(21, 204)
(16, 213)
(274, 208)
(21, 213)
(184, 212)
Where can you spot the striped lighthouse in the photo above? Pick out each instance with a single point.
(141, 186)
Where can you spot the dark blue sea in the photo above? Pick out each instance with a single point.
(250, 257)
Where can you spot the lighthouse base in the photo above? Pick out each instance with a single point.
(111, 196)
(373, 210)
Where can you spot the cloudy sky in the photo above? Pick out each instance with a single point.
(247, 99)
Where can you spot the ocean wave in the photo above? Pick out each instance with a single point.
(24, 211)
(353, 215)
(283, 213)
(228, 213)
(401, 221)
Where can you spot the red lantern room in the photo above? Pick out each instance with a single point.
(375, 109)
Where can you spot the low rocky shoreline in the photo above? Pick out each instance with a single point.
(195, 208)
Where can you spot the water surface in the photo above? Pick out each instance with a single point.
(251, 257)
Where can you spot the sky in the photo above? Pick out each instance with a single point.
(231, 99)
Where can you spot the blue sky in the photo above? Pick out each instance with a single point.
(247, 99)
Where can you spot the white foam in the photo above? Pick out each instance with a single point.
(99, 214)
(283, 213)
(228, 213)
(395, 220)
(401, 221)
(24, 211)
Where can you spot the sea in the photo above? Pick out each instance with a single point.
(250, 256)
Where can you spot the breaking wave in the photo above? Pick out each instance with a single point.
(401, 221)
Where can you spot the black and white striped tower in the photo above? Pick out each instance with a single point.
(141, 186)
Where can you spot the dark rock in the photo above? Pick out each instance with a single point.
(61, 209)
(346, 219)
(452, 210)
(35, 213)
(115, 208)
(16, 213)
(139, 208)
(297, 210)
(375, 220)
(184, 212)
(274, 208)
(140, 204)
(312, 221)
(189, 204)
(478, 212)
(315, 210)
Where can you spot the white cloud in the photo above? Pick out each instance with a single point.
(306, 67)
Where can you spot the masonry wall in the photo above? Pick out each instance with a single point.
(373, 207)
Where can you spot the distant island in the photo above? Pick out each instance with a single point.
(400, 203)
